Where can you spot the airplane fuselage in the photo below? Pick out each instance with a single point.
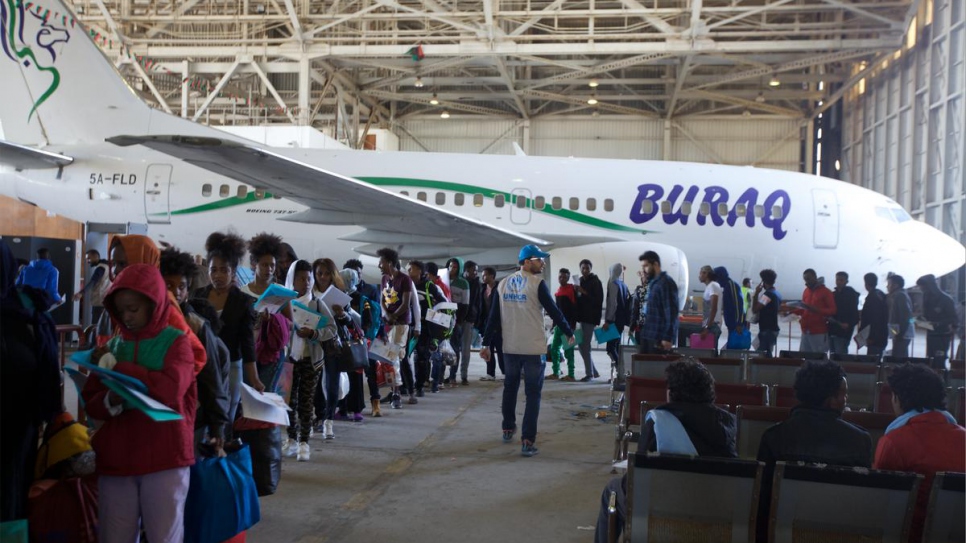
(743, 218)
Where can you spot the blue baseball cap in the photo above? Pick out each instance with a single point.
(531, 251)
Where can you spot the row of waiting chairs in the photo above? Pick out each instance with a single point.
(679, 498)
(757, 407)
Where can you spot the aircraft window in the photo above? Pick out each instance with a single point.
(539, 203)
(591, 204)
(665, 206)
(647, 207)
(608, 205)
(404, 192)
(686, 208)
(759, 211)
(458, 198)
(705, 209)
(556, 203)
(477, 200)
(498, 200)
(574, 204)
(421, 196)
(776, 212)
(242, 191)
(224, 191)
(440, 198)
(521, 201)
(884, 213)
(206, 190)
(259, 194)
(722, 209)
(900, 214)
(741, 210)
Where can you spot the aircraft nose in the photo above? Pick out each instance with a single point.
(935, 252)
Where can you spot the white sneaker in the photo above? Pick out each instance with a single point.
(290, 448)
(304, 452)
(329, 432)
(488, 378)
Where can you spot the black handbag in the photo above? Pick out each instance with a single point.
(352, 354)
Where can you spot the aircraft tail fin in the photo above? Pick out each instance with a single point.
(59, 88)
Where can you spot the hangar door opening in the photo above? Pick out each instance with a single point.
(826, 219)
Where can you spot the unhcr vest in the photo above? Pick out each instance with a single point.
(521, 315)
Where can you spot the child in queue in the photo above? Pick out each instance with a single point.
(143, 464)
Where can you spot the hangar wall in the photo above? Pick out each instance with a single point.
(903, 127)
(764, 142)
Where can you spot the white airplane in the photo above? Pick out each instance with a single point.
(77, 141)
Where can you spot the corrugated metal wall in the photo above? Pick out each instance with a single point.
(765, 142)
(903, 128)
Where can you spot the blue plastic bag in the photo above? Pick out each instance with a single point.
(739, 340)
(222, 499)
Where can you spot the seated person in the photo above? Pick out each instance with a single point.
(814, 431)
(924, 438)
(688, 424)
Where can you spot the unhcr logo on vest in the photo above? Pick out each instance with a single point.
(516, 288)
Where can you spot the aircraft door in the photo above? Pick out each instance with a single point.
(157, 185)
(826, 218)
(520, 201)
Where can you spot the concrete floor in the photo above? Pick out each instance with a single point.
(439, 471)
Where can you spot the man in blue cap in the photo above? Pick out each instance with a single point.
(517, 317)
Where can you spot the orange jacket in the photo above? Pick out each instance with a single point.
(822, 299)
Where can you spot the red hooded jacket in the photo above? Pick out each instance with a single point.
(131, 443)
(927, 444)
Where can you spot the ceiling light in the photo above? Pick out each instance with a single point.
(760, 98)
(592, 100)
(774, 82)
(444, 114)
(434, 100)
(419, 82)
(593, 83)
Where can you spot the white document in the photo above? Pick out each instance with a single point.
(440, 318)
(306, 317)
(446, 306)
(862, 337)
(335, 297)
(384, 351)
(274, 298)
(267, 407)
(924, 324)
(763, 299)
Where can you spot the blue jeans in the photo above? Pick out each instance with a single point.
(532, 367)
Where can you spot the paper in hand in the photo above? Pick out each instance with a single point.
(335, 297)
(306, 317)
(274, 298)
(266, 407)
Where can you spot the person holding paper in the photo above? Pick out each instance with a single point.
(330, 289)
(307, 353)
(765, 305)
(566, 299)
(262, 251)
(817, 305)
(900, 316)
(617, 311)
(236, 312)
(713, 314)
(142, 464)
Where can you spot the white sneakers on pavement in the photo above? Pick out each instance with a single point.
(304, 452)
(290, 448)
(329, 432)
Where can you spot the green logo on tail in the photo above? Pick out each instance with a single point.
(29, 38)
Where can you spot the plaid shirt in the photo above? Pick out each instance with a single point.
(661, 322)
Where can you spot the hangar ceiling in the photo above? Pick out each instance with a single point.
(373, 62)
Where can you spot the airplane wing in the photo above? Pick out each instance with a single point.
(333, 199)
(21, 157)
